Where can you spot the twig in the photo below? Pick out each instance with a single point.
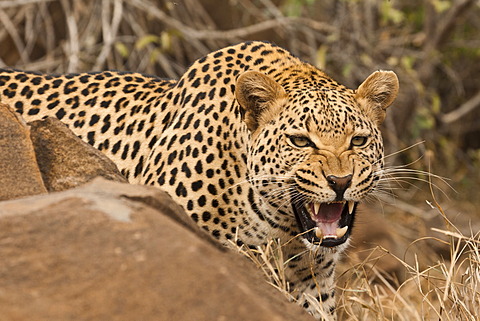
(437, 31)
(461, 111)
(109, 28)
(17, 40)
(73, 43)
(445, 25)
(30, 32)
(49, 32)
(456, 235)
(17, 3)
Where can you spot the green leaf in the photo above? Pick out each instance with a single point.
(391, 14)
(293, 8)
(122, 49)
(436, 104)
(165, 41)
(146, 40)
(408, 62)
(321, 57)
(441, 5)
(347, 70)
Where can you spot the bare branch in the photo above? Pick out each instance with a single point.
(463, 110)
(17, 40)
(16, 3)
(73, 42)
(445, 25)
(437, 33)
(49, 32)
(109, 28)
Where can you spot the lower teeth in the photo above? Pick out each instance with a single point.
(340, 232)
(319, 233)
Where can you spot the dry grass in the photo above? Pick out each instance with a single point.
(444, 289)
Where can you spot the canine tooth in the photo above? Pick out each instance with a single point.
(316, 206)
(319, 233)
(341, 231)
(351, 204)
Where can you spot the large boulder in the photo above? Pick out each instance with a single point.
(19, 173)
(113, 251)
(45, 155)
(66, 161)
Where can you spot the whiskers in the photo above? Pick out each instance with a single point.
(282, 195)
(401, 177)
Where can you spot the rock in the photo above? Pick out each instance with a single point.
(45, 157)
(113, 251)
(65, 160)
(19, 173)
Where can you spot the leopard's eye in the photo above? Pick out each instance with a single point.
(359, 141)
(300, 141)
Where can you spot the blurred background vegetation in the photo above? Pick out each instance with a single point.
(433, 46)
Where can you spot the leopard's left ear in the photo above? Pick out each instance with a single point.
(377, 93)
(260, 98)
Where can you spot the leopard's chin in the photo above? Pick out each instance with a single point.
(325, 224)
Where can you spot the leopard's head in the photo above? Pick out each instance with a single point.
(315, 150)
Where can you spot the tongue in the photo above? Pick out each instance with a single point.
(328, 229)
(329, 213)
(327, 218)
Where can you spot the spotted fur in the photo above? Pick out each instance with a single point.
(248, 140)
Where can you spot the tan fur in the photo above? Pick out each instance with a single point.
(377, 93)
(338, 165)
(260, 97)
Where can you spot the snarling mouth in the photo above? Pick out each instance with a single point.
(326, 224)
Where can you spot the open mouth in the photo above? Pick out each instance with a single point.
(326, 224)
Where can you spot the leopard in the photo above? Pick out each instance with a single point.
(254, 143)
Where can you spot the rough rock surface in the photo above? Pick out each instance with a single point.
(113, 251)
(65, 160)
(19, 174)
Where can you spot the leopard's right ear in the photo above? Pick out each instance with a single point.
(260, 98)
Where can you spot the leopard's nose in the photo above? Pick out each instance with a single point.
(339, 184)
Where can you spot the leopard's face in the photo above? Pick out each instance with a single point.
(316, 156)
